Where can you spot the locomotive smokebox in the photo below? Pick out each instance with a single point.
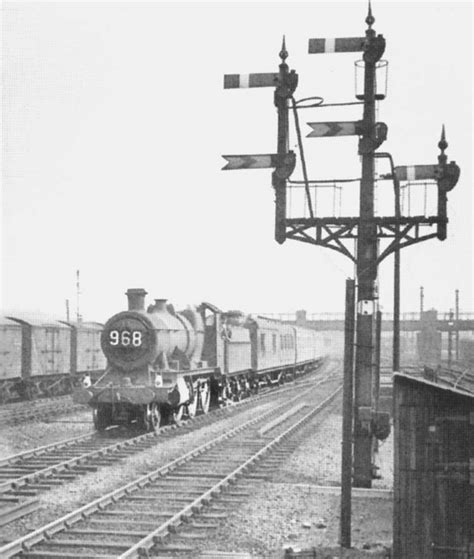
(136, 299)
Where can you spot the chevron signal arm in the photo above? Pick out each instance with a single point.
(328, 129)
(284, 164)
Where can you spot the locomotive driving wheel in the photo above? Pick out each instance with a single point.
(226, 394)
(205, 396)
(177, 414)
(191, 407)
(237, 392)
(101, 416)
(152, 417)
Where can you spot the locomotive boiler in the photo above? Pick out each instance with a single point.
(162, 364)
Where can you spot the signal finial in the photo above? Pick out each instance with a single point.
(370, 20)
(283, 52)
(443, 144)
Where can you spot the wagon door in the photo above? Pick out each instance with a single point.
(98, 357)
(83, 349)
(92, 358)
(93, 362)
(48, 347)
(10, 350)
(55, 344)
(41, 351)
(62, 350)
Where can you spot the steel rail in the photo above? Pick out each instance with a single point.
(39, 450)
(66, 443)
(38, 402)
(55, 474)
(14, 460)
(140, 548)
(33, 410)
(67, 464)
(26, 542)
(16, 509)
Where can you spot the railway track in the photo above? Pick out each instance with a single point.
(20, 412)
(25, 475)
(149, 512)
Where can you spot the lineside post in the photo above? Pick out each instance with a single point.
(378, 351)
(347, 413)
(450, 338)
(396, 282)
(457, 324)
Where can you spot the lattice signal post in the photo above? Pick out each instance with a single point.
(368, 229)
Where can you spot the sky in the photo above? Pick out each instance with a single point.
(114, 121)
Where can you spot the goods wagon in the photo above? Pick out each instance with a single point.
(86, 354)
(10, 357)
(42, 356)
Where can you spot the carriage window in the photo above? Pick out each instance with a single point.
(274, 342)
(262, 343)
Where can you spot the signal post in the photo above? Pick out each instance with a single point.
(366, 271)
(367, 229)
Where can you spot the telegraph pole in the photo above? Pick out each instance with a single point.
(78, 295)
(450, 338)
(366, 269)
(347, 405)
(396, 281)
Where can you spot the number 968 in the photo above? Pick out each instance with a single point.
(125, 338)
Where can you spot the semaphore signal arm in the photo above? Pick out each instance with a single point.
(331, 231)
(404, 231)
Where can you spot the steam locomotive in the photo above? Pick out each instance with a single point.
(162, 364)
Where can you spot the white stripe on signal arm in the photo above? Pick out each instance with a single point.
(244, 80)
(330, 45)
(411, 173)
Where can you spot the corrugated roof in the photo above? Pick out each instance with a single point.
(85, 325)
(4, 321)
(264, 322)
(440, 384)
(38, 320)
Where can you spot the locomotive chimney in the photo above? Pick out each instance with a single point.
(160, 304)
(136, 299)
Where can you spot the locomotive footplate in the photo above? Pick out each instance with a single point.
(122, 394)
